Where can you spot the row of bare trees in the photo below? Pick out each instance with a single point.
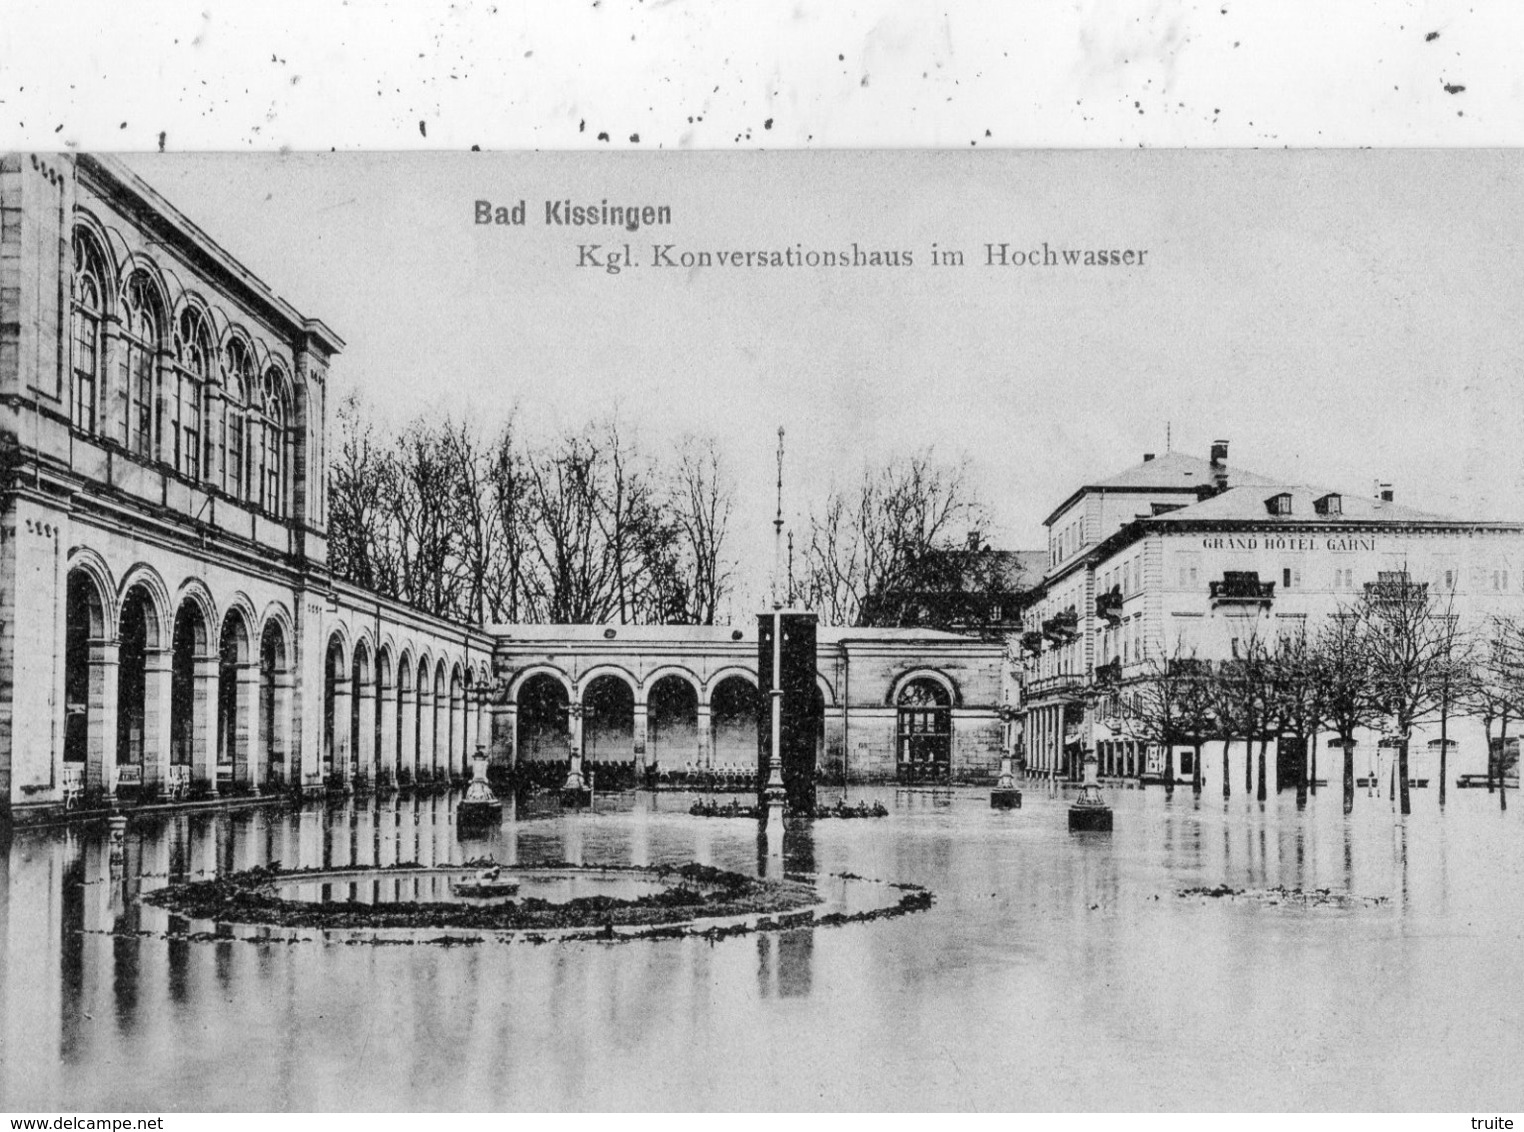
(1397, 659)
(583, 528)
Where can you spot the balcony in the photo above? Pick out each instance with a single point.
(1395, 587)
(1109, 605)
(1241, 587)
(1110, 674)
(1032, 642)
(1063, 627)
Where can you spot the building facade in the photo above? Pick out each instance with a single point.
(1184, 557)
(169, 625)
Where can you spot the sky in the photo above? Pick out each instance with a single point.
(1340, 317)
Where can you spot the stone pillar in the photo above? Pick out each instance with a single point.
(204, 671)
(365, 755)
(407, 735)
(705, 735)
(505, 735)
(459, 757)
(644, 755)
(248, 755)
(425, 710)
(156, 709)
(340, 752)
(100, 747)
(282, 751)
(386, 758)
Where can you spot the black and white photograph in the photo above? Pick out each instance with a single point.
(891, 629)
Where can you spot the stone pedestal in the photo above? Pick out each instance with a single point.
(1005, 796)
(1090, 813)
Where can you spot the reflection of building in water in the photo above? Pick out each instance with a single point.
(786, 963)
(1184, 556)
(165, 422)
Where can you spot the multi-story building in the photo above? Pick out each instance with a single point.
(169, 623)
(1184, 557)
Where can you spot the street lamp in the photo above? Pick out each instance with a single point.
(1090, 813)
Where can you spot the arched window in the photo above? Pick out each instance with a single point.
(268, 434)
(141, 329)
(88, 294)
(238, 384)
(193, 366)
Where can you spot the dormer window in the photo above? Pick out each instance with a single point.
(1330, 504)
(1279, 504)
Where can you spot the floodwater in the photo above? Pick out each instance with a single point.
(1054, 971)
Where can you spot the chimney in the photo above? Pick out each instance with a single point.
(1384, 493)
(1220, 465)
(974, 539)
(1147, 456)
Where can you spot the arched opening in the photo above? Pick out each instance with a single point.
(458, 753)
(386, 753)
(272, 669)
(187, 708)
(407, 711)
(334, 675)
(423, 724)
(672, 723)
(233, 724)
(137, 633)
(361, 708)
(608, 721)
(543, 734)
(84, 633)
(440, 717)
(925, 732)
(733, 719)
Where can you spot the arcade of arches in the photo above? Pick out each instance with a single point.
(164, 699)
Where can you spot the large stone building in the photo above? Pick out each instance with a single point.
(1180, 556)
(169, 625)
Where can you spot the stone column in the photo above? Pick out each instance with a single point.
(248, 756)
(505, 735)
(407, 737)
(204, 671)
(425, 710)
(705, 735)
(459, 758)
(340, 752)
(156, 710)
(365, 754)
(386, 758)
(283, 753)
(644, 755)
(100, 748)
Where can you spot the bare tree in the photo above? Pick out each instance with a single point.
(1412, 639)
(700, 497)
(864, 544)
(1343, 669)
(1169, 705)
(1296, 697)
(1243, 693)
(1492, 689)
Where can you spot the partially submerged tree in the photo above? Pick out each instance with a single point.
(1412, 641)
(1344, 673)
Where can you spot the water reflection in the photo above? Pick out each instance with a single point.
(1075, 947)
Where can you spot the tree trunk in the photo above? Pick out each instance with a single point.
(1249, 762)
(1444, 746)
(1503, 763)
(1196, 768)
(1349, 774)
(1169, 769)
(1402, 773)
(1259, 793)
(1487, 731)
(1227, 767)
(1311, 755)
(1301, 772)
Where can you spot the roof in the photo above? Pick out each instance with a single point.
(699, 634)
(1174, 471)
(1244, 503)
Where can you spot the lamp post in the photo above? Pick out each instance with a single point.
(775, 795)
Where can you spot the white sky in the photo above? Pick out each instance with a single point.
(1339, 316)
